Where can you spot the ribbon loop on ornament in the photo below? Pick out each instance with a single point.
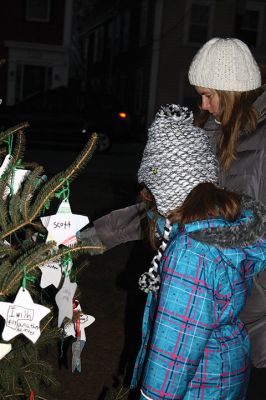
(64, 192)
(9, 142)
(26, 277)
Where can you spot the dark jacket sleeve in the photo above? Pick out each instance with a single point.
(121, 225)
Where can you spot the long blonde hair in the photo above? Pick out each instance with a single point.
(237, 114)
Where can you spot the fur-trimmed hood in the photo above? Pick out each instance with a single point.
(232, 241)
(239, 235)
(223, 234)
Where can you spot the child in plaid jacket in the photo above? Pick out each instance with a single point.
(194, 346)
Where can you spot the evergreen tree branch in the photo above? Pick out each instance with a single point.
(4, 184)
(6, 179)
(15, 129)
(19, 146)
(29, 188)
(22, 371)
(32, 264)
(14, 208)
(56, 183)
(51, 187)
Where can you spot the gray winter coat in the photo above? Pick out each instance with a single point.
(246, 175)
(248, 172)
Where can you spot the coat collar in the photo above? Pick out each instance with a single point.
(247, 229)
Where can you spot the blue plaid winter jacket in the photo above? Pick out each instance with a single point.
(194, 345)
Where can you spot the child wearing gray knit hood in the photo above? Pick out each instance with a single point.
(194, 344)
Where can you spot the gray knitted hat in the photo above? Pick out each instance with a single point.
(225, 64)
(177, 157)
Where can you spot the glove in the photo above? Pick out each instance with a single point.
(89, 236)
(121, 226)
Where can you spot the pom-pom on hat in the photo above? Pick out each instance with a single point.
(177, 157)
(225, 64)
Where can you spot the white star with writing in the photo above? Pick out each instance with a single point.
(23, 316)
(51, 274)
(85, 321)
(63, 226)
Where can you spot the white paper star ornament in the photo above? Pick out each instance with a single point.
(85, 321)
(69, 329)
(64, 300)
(5, 163)
(63, 226)
(22, 317)
(51, 274)
(19, 176)
(5, 348)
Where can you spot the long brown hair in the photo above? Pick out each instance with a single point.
(237, 114)
(205, 201)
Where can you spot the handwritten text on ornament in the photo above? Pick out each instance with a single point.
(17, 318)
(64, 224)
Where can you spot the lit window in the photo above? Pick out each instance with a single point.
(38, 10)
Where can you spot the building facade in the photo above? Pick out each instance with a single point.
(118, 47)
(185, 26)
(139, 52)
(35, 43)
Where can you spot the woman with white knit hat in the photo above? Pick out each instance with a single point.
(194, 346)
(233, 113)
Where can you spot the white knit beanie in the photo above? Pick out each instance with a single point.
(225, 64)
(177, 157)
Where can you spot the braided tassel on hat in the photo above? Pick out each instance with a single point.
(150, 281)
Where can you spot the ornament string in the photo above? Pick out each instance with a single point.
(77, 324)
(61, 194)
(76, 318)
(26, 277)
(64, 192)
(9, 142)
(67, 264)
(46, 205)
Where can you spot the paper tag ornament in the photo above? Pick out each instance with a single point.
(64, 300)
(19, 176)
(5, 348)
(85, 321)
(22, 317)
(63, 226)
(5, 163)
(51, 274)
(66, 268)
(77, 348)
